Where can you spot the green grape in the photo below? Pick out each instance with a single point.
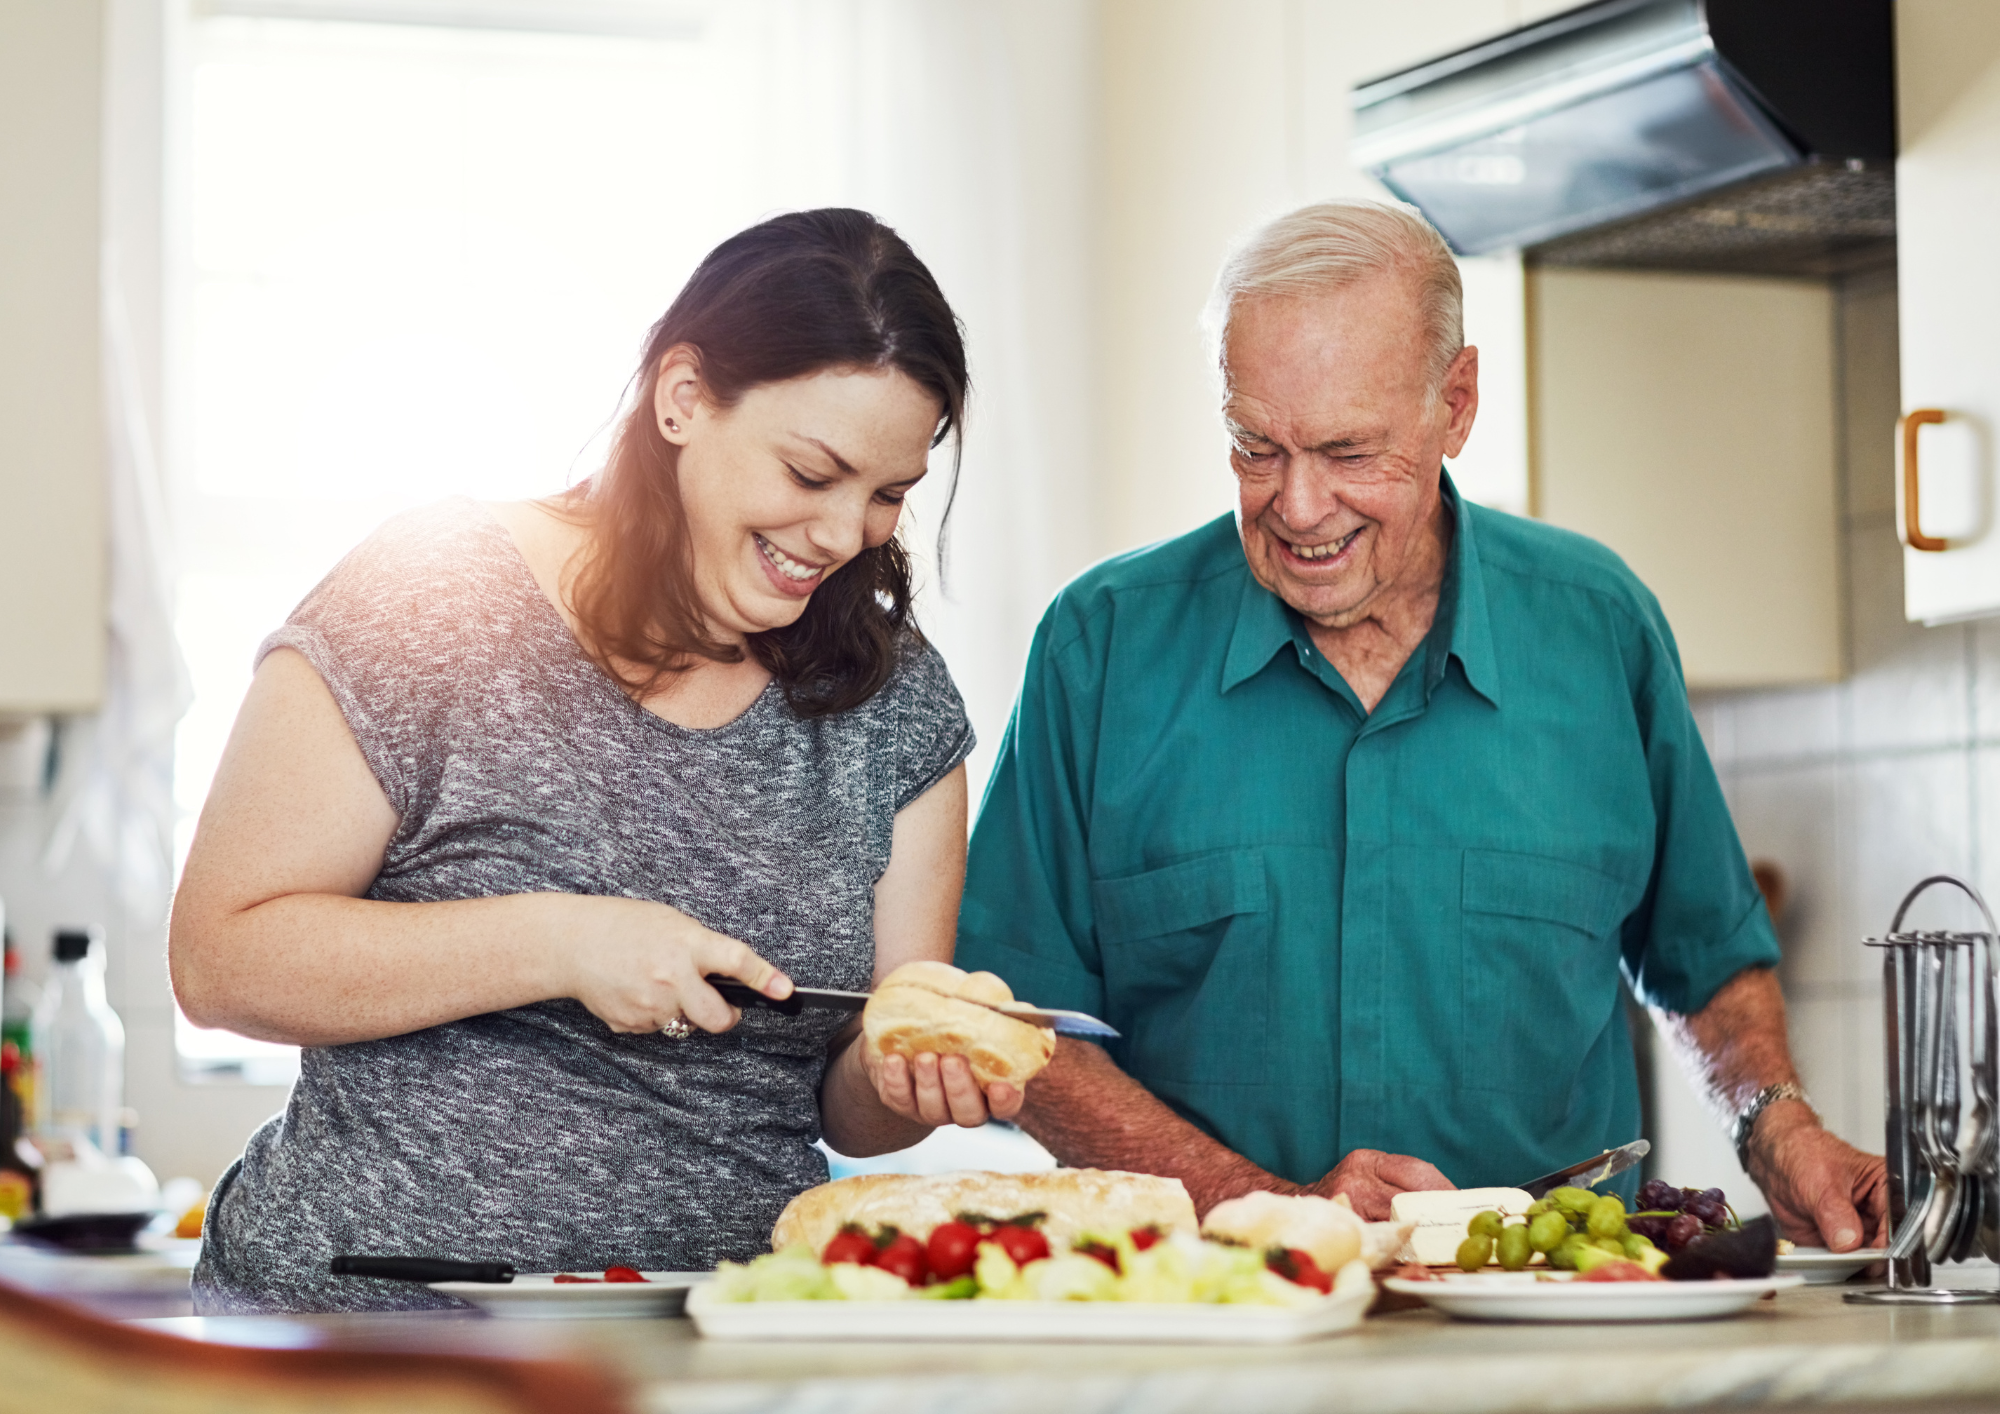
(1474, 1252)
(1564, 1257)
(1607, 1217)
(1573, 1200)
(1548, 1231)
(1614, 1245)
(1514, 1248)
(1538, 1207)
(1637, 1245)
(1486, 1224)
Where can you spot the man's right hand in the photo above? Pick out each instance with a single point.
(1370, 1178)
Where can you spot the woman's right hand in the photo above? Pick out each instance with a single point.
(638, 966)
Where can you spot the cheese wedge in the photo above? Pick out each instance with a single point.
(1440, 1219)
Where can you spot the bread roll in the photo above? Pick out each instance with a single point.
(1076, 1202)
(1329, 1232)
(935, 1007)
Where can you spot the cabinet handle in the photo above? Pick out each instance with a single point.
(1907, 428)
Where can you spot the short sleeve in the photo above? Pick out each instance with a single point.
(387, 631)
(933, 733)
(1702, 919)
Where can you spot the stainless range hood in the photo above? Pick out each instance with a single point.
(1735, 134)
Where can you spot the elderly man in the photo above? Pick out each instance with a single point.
(1349, 813)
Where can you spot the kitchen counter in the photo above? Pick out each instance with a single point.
(1805, 1346)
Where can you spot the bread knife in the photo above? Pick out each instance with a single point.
(1063, 1023)
(1590, 1172)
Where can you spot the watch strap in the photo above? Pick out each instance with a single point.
(1746, 1122)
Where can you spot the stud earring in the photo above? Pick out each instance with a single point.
(673, 426)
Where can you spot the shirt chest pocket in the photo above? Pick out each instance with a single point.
(1540, 940)
(1186, 957)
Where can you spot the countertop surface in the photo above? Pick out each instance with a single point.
(1802, 1346)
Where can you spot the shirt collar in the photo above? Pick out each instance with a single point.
(1264, 625)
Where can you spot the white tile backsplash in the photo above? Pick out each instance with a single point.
(1786, 725)
(1791, 816)
(1910, 816)
(1822, 1051)
(1909, 687)
(1857, 790)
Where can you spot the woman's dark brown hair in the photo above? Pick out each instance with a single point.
(796, 295)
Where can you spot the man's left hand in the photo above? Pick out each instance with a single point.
(1820, 1187)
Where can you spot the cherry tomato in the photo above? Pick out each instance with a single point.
(1145, 1237)
(1023, 1244)
(621, 1274)
(1297, 1266)
(1106, 1255)
(565, 1278)
(905, 1257)
(855, 1247)
(952, 1250)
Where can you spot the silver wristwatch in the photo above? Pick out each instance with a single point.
(1740, 1132)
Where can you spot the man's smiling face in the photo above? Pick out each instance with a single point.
(1336, 442)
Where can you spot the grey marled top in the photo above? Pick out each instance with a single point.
(537, 1135)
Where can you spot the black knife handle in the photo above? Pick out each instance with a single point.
(743, 994)
(422, 1269)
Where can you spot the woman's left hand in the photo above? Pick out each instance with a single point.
(937, 1090)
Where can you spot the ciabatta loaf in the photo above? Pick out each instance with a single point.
(1074, 1202)
(935, 1007)
(1330, 1233)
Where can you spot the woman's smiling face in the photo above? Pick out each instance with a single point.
(791, 483)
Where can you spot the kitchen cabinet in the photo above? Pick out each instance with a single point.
(1689, 422)
(52, 497)
(1948, 276)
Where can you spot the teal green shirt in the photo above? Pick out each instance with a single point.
(1322, 929)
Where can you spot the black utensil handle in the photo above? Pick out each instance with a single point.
(422, 1269)
(743, 994)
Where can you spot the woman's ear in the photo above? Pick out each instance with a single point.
(677, 399)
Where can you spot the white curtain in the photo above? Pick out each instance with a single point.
(117, 784)
(912, 109)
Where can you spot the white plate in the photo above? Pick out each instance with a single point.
(1507, 1296)
(1106, 1322)
(1822, 1268)
(544, 1298)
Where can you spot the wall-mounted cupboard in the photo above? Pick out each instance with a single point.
(1947, 210)
(1690, 423)
(52, 502)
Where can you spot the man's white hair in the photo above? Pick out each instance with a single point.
(1318, 249)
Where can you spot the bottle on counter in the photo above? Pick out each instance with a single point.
(77, 1046)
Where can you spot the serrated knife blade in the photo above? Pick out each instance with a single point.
(1063, 1023)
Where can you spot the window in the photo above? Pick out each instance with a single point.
(419, 262)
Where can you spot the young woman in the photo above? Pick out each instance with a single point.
(514, 778)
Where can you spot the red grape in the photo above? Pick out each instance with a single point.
(1681, 1231)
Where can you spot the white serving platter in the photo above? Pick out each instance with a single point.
(543, 1298)
(1510, 1296)
(1102, 1322)
(1822, 1268)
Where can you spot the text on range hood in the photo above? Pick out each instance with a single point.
(1626, 107)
